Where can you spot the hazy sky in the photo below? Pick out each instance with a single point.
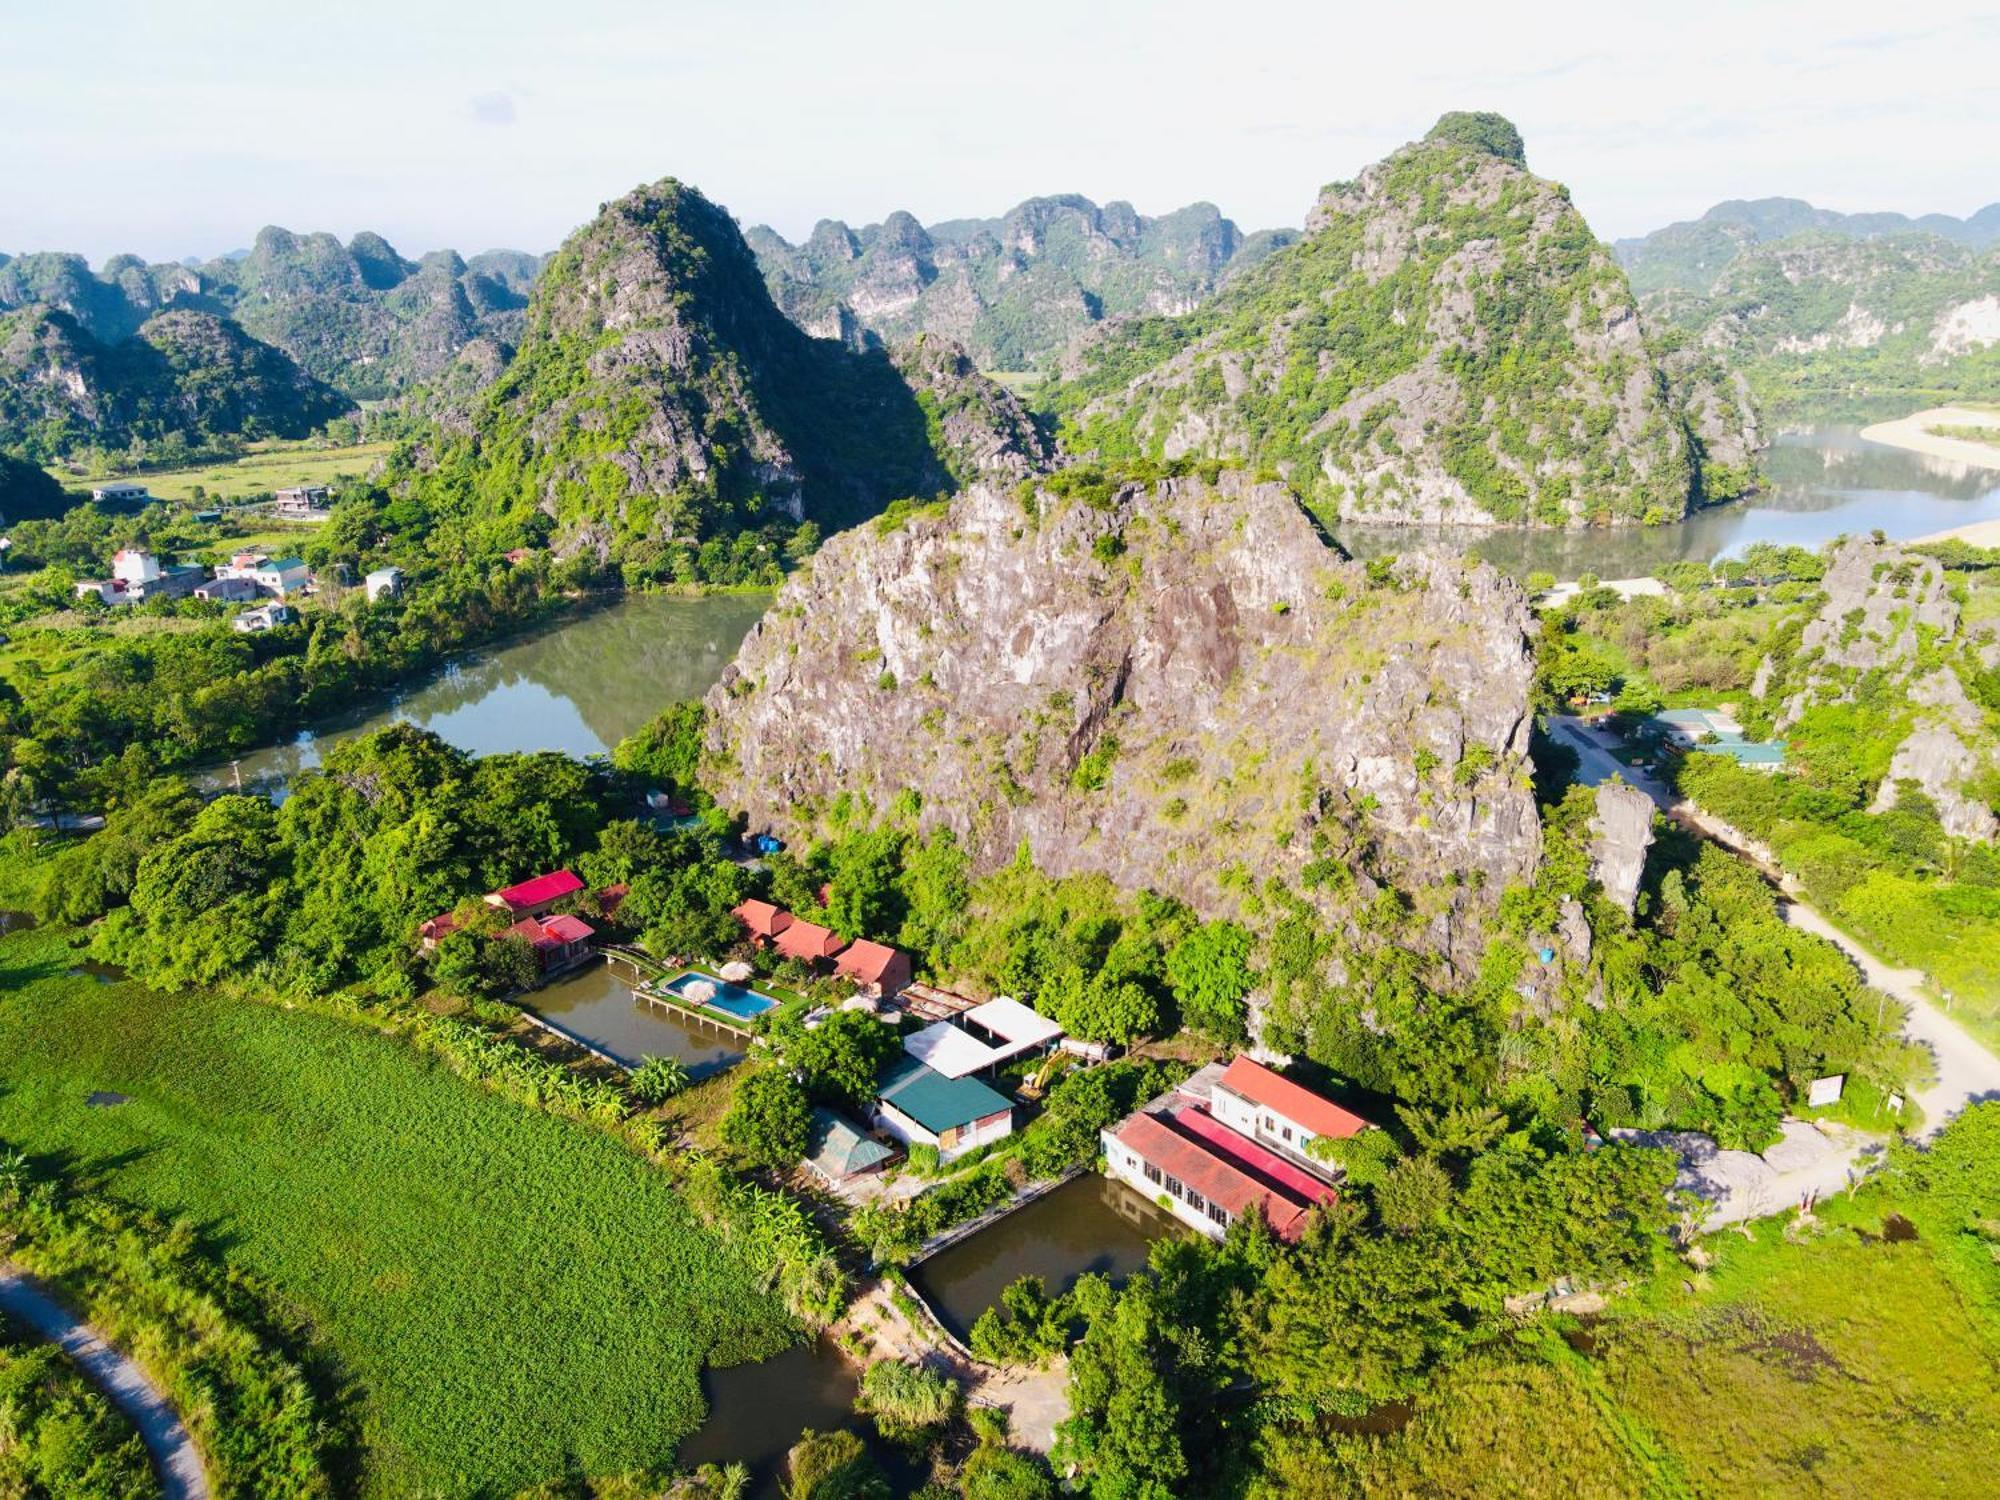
(176, 129)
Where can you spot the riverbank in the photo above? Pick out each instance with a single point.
(1913, 434)
(1978, 534)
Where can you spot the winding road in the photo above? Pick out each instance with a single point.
(123, 1383)
(1967, 1073)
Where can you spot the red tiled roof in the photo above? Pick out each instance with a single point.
(530, 931)
(612, 897)
(439, 925)
(762, 918)
(1216, 1179)
(1258, 1084)
(1246, 1153)
(865, 961)
(549, 887)
(568, 929)
(808, 940)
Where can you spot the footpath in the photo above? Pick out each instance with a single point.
(123, 1383)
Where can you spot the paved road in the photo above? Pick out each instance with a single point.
(1966, 1071)
(124, 1384)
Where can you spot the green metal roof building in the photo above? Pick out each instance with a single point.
(920, 1106)
(837, 1150)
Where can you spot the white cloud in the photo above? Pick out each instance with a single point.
(131, 128)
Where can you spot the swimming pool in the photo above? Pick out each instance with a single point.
(731, 999)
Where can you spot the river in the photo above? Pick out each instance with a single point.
(1823, 482)
(578, 685)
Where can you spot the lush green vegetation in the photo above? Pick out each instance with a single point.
(260, 469)
(185, 380)
(61, 1438)
(494, 1294)
(1529, 418)
(687, 435)
(1880, 860)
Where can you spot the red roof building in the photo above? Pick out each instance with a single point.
(533, 897)
(808, 942)
(764, 920)
(438, 928)
(558, 941)
(1198, 1124)
(880, 971)
(1276, 1113)
(1205, 1189)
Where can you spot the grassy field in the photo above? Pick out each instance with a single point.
(267, 466)
(508, 1297)
(58, 1436)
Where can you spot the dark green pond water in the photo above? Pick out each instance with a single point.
(1088, 1224)
(1824, 482)
(597, 1005)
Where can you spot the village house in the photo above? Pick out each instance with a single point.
(383, 583)
(1269, 1108)
(306, 503)
(808, 942)
(878, 971)
(838, 1151)
(558, 942)
(1231, 1141)
(1713, 731)
(279, 576)
(921, 1107)
(533, 897)
(762, 920)
(264, 617)
(121, 493)
(137, 576)
(228, 590)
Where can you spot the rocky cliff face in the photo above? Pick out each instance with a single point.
(1180, 686)
(1448, 343)
(982, 429)
(1014, 290)
(1890, 627)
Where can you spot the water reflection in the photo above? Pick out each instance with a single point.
(1823, 482)
(597, 1005)
(757, 1411)
(1089, 1224)
(578, 687)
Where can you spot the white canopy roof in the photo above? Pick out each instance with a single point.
(1015, 1024)
(943, 1048)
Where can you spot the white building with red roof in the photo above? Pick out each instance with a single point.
(533, 897)
(879, 971)
(1269, 1108)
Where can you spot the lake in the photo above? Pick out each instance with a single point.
(597, 1005)
(757, 1411)
(579, 686)
(1090, 1223)
(1823, 482)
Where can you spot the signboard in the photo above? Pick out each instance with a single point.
(1826, 1091)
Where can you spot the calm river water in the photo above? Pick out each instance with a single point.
(580, 686)
(1823, 482)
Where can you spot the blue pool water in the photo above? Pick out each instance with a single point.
(732, 999)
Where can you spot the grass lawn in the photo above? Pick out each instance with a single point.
(267, 466)
(510, 1297)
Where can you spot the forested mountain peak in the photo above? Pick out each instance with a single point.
(1449, 343)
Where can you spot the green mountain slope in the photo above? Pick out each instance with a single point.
(660, 405)
(184, 379)
(1449, 343)
(1014, 290)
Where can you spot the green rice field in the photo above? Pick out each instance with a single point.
(505, 1297)
(266, 467)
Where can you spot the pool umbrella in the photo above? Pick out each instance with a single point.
(737, 972)
(701, 991)
(858, 1002)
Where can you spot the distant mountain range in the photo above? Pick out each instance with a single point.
(357, 317)
(1821, 308)
(1016, 290)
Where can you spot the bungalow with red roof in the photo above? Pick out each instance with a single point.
(808, 942)
(559, 942)
(1203, 1189)
(880, 971)
(1270, 1109)
(533, 897)
(763, 920)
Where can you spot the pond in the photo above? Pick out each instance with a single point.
(1823, 481)
(597, 1005)
(579, 686)
(1088, 1224)
(757, 1411)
